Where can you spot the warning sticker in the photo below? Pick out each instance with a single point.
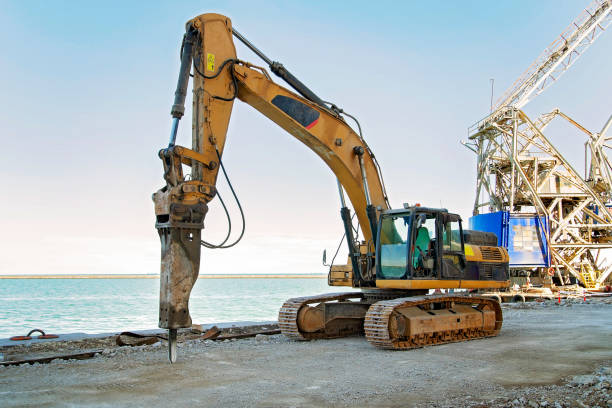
(210, 62)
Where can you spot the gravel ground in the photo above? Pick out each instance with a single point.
(546, 355)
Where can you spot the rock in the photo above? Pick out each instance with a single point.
(583, 380)
(557, 405)
(609, 403)
(581, 404)
(261, 337)
(544, 403)
(533, 404)
(605, 370)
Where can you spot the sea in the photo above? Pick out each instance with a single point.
(62, 306)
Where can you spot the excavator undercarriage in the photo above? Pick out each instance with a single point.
(401, 323)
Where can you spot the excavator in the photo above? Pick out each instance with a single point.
(404, 253)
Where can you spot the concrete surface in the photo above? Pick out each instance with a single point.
(531, 363)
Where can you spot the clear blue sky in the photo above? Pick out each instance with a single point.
(87, 88)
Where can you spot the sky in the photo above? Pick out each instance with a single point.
(87, 89)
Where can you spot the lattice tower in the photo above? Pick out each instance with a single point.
(520, 170)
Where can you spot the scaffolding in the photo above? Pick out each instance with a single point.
(519, 170)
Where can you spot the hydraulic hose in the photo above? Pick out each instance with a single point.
(222, 245)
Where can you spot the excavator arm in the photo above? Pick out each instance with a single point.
(218, 79)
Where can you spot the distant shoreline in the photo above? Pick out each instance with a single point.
(144, 276)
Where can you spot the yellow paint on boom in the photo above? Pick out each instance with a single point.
(210, 62)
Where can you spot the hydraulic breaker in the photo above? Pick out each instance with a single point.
(180, 213)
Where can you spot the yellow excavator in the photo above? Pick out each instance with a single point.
(403, 255)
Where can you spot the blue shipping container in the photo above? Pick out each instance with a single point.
(523, 235)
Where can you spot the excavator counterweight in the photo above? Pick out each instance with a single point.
(404, 252)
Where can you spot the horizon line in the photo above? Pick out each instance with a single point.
(156, 276)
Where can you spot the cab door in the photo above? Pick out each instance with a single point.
(453, 256)
(423, 259)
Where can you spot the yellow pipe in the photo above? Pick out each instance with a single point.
(439, 284)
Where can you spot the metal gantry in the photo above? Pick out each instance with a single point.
(519, 170)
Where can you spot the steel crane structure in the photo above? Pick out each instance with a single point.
(520, 171)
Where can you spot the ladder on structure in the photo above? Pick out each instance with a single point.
(587, 274)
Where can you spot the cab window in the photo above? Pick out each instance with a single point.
(393, 246)
(451, 237)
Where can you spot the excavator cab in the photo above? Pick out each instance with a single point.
(426, 248)
(420, 243)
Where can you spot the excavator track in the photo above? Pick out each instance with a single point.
(288, 315)
(386, 324)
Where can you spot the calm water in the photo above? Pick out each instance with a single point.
(108, 305)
